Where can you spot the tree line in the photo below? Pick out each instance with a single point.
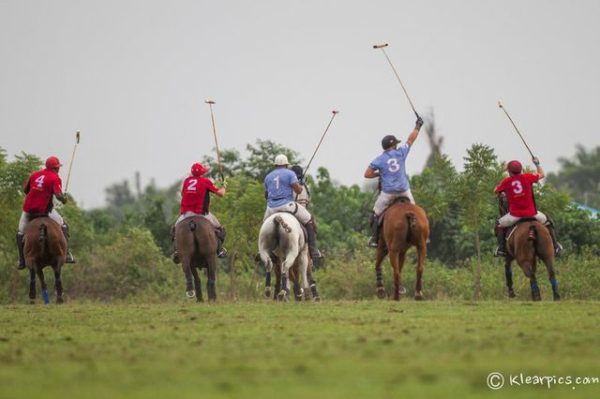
(125, 244)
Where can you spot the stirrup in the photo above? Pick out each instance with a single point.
(69, 258)
(372, 243)
(222, 253)
(21, 266)
(500, 252)
(558, 249)
(176, 257)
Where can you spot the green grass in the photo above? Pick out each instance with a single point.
(344, 350)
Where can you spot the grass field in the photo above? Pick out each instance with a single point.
(345, 350)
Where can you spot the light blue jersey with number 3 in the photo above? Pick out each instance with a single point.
(392, 169)
(278, 185)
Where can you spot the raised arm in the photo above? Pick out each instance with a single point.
(538, 168)
(415, 133)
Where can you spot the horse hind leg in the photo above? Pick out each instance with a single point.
(32, 292)
(509, 278)
(45, 295)
(197, 285)
(58, 285)
(552, 277)
(314, 292)
(397, 261)
(529, 270)
(421, 253)
(189, 283)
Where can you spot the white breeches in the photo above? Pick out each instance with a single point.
(508, 219)
(384, 200)
(294, 208)
(25, 218)
(209, 216)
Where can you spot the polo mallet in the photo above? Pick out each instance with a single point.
(212, 117)
(516, 128)
(334, 113)
(71, 162)
(382, 48)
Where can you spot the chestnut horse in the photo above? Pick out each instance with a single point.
(197, 245)
(45, 245)
(404, 225)
(528, 241)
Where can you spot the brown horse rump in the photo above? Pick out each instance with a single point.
(399, 200)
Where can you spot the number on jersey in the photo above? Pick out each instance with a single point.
(40, 181)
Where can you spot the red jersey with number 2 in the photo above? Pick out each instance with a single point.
(39, 188)
(519, 191)
(195, 195)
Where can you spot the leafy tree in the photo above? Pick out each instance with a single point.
(580, 176)
(482, 172)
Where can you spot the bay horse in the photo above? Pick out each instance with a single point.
(45, 245)
(528, 241)
(404, 225)
(283, 247)
(196, 242)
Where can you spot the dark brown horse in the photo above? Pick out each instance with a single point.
(404, 225)
(527, 242)
(197, 244)
(45, 245)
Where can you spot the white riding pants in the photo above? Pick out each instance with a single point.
(508, 219)
(26, 217)
(294, 208)
(384, 200)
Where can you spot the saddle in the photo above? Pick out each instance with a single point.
(399, 200)
(513, 228)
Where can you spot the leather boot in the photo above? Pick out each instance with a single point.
(221, 251)
(501, 238)
(65, 230)
(20, 246)
(374, 239)
(315, 254)
(557, 247)
(175, 256)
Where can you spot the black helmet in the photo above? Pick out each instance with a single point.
(297, 169)
(389, 141)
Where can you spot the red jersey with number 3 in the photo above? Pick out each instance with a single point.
(39, 188)
(195, 195)
(519, 192)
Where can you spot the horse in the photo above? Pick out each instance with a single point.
(528, 241)
(197, 245)
(281, 243)
(404, 225)
(45, 245)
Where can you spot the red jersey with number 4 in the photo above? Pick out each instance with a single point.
(519, 192)
(195, 195)
(39, 189)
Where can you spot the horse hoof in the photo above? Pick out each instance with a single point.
(190, 294)
(268, 292)
(283, 296)
(511, 293)
(60, 300)
(32, 301)
(317, 299)
(556, 297)
(419, 296)
(381, 293)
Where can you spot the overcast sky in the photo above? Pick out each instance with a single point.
(133, 77)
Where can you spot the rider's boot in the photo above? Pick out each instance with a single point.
(221, 251)
(175, 256)
(501, 238)
(20, 246)
(65, 230)
(374, 239)
(315, 254)
(557, 247)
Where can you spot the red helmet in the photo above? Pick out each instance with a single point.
(198, 169)
(514, 167)
(53, 163)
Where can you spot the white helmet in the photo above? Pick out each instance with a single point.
(281, 160)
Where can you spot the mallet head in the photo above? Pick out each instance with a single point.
(77, 137)
(211, 102)
(499, 104)
(335, 111)
(380, 45)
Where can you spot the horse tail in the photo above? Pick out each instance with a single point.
(411, 218)
(278, 221)
(43, 238)
(532, 233)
